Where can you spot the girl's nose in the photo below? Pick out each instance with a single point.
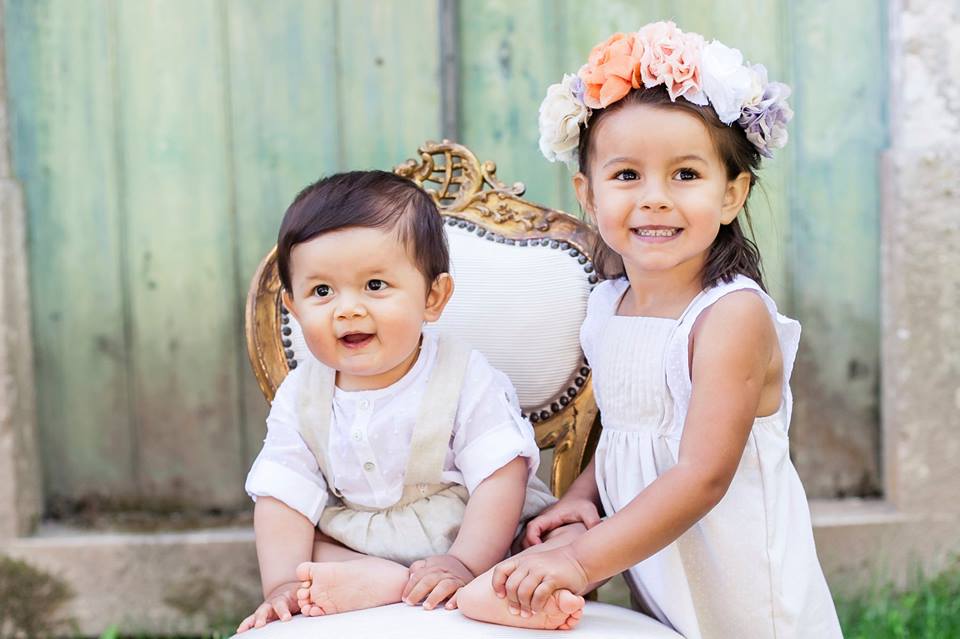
(654, 198)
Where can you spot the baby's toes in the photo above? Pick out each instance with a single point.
(303, 594)
(303, 571)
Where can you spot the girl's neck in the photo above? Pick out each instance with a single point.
(661, 293)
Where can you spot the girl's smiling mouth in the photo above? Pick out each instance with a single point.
(656, 233)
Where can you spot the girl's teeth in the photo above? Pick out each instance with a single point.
(656, 232)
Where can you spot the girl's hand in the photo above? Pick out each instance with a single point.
(529, 579)
(280, 603)
(565, 511)
(435, 579)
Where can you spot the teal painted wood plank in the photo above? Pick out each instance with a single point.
(61, 100)
(841, 129)
(388, 86)
(285, 121)
(180, 238)
(511, 52)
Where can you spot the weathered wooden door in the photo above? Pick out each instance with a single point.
(159, 141)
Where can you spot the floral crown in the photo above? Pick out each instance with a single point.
(660, 53)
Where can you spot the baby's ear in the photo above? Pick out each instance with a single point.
(288, 302)
(738, 190)
(441, 290)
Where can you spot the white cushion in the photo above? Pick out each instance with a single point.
(400, 621)
(521, 306)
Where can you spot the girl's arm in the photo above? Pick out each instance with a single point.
(580, 504)
(733, 354)
(488, 528)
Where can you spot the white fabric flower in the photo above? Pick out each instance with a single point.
(727, 83)
(561, 114)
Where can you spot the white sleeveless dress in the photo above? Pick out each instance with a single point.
(748, 569)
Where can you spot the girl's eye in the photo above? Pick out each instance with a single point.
(323, 290)
(685, 175)
(625, 174)
(376, 285)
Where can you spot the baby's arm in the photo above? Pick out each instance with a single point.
(488, 527)
(284, 540)
(733, 352)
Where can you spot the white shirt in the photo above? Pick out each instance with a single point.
(370, 434)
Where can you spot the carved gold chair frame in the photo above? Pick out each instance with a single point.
(467, 190)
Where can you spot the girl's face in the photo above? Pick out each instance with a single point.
(361, 302)
(658, 190)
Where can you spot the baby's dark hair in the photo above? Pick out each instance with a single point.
(369, 199)
(732, 252)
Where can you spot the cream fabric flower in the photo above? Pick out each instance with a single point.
(561, 114)
(726, 81)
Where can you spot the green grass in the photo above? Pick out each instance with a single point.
(929, 609)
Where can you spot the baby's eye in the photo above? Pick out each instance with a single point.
(322, 290)
(625, 174)
(685, 175)
(376, 285)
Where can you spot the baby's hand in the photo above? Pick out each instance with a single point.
(528, 580)
(565, 511)
(280, 603)
(436, 578)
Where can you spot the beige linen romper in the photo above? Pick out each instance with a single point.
(426, 519)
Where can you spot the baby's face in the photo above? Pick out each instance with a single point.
(361, 302)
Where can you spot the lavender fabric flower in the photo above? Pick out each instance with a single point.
(765, 118)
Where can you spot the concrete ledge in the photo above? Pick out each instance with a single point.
(185, 582)
(170, 583)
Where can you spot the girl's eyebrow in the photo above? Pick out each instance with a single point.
(618, 159)
(692, 156)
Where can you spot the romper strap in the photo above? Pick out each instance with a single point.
(437, 414)
(316, 406)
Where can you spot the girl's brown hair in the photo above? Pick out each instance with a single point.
(732, 252)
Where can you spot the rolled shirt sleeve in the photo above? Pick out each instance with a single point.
(490, 431)
(286, 469)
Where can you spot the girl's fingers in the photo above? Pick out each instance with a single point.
(501, 573)
(541, 594)
(525, 593)
(513, 583)
(590, 517)
(452, 601)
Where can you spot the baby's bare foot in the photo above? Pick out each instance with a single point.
(562, 611)
(341, 586)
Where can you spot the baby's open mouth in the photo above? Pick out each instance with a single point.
(657, 231)
(356, 340)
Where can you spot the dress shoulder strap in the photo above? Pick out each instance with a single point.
(677, 357)
(437, 414)
(316, 406)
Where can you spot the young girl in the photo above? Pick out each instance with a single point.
(402, 447)
(691, 360)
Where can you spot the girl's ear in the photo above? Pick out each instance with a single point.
(437, 297)
(738, 189)
(581, 185)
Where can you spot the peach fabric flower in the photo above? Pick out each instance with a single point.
(671, 57)
(607, 76)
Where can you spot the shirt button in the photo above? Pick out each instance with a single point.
(357, 435)
(369, 467)
(364, 404)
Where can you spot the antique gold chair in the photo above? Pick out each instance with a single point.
(522, 276)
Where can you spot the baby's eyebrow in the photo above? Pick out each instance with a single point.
(617, 160)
